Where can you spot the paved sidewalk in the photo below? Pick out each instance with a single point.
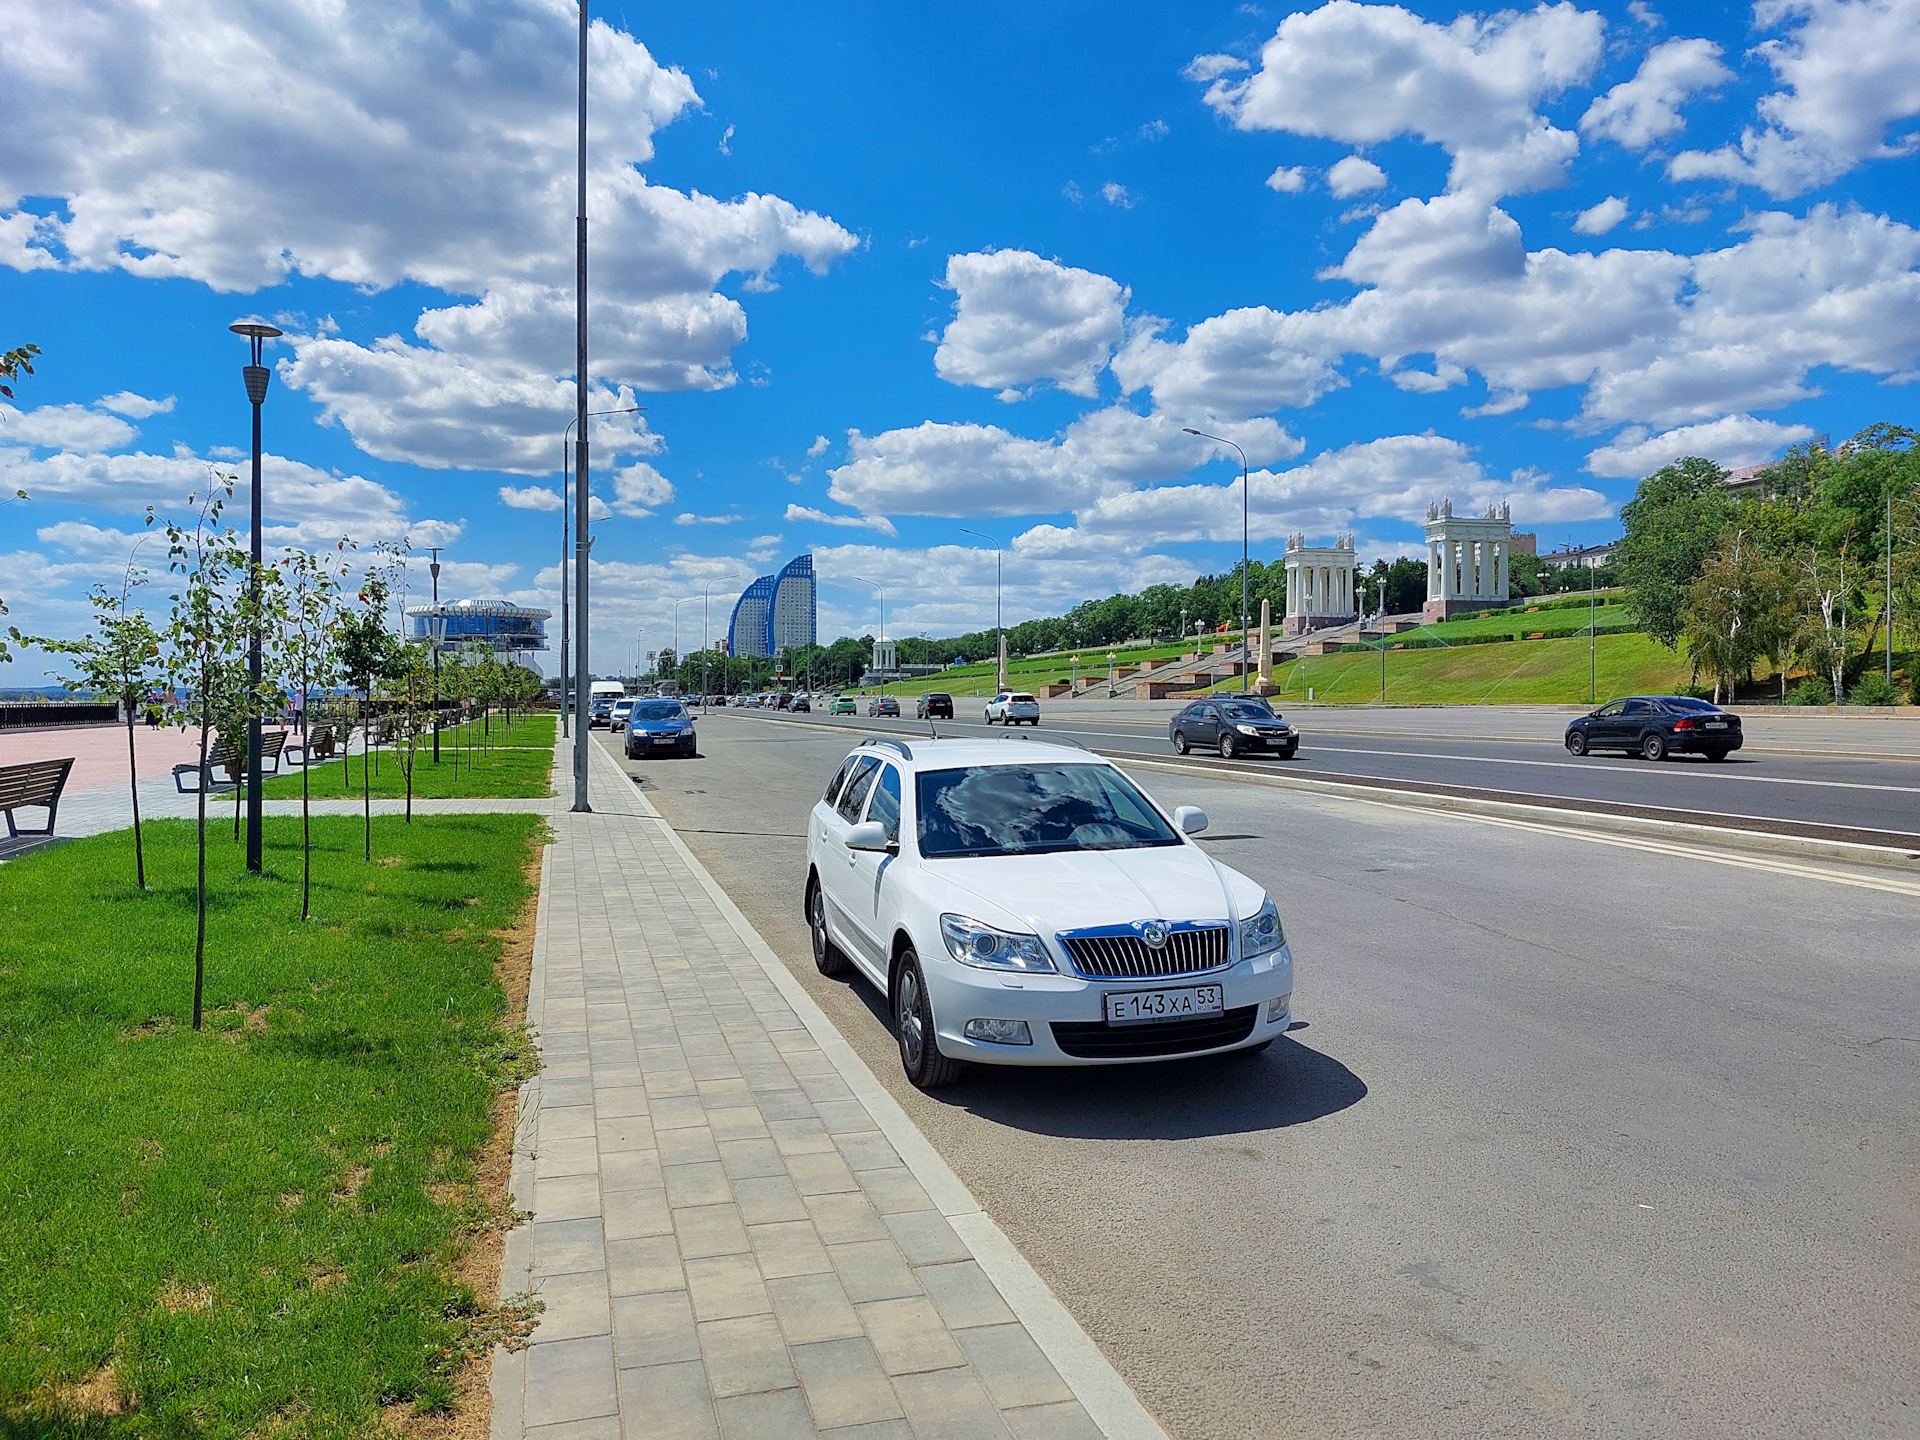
(725, 1235)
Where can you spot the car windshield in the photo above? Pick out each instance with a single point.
(657, 710)
(1033, 810)
(1243, 711)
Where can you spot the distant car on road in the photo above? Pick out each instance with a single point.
(617, 716)
(1027, 904)
(802, 704)
(1656, 726)
(783, 701)
(661, 727)
(1231, 724)
(933, 706)
(883, 705)
(1013, 707)
(843, 705)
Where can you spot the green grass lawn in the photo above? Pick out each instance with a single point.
(1524, 671)
(254, 1225)
(488, 774)
(527, 730)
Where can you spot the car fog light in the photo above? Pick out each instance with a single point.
(1000, 1032)
(1278, 1006)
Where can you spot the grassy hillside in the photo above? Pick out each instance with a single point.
(1523, 671)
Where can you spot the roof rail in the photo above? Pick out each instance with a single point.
(1050, 739)
(906, 752)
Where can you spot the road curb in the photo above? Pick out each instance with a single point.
(1561, 817)
(1105, 1396)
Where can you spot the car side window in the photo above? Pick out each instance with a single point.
(1639, 707)
(839, 779)
(854, 796)
(1618, 707)
(885, 806)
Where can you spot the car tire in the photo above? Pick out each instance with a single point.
(1715, 754)
(1653, 746)
(920, 1053)
(1180, 742)
(828, 958)
(1289, 752)
(1576, 744)
(987, 715)
(1229, 747)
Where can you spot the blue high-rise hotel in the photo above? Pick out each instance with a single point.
(776, 612)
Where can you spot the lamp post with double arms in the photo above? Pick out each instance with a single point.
(1246, 559)
(998, 642)
(256, 376)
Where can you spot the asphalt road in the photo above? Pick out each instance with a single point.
(1579, 1140)
(1806, 787)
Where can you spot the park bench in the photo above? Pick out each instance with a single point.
(222, 756)
(319, 744)
(37, 783)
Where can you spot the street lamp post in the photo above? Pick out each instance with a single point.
(678, 657)
(566, 533)
(1246, 563)
(999, 642)
(256, 376)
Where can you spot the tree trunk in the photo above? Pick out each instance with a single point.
(133, 789)
(366, 788)
(200, 883)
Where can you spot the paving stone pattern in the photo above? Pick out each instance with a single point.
(724, 1241)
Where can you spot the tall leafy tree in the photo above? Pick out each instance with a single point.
(207, 632)
(120, 657)
(1740, 609)
(309, 655)
(1672, 524)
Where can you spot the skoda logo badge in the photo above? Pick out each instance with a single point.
(1154, 933)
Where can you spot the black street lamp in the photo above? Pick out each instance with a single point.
(256, 376)
(566, 540)
(1246, 563)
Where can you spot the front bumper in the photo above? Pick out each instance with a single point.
(960, 993)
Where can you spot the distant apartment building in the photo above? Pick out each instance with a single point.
(776, 612)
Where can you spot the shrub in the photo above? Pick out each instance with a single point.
(1811, 691)
(1873, 688)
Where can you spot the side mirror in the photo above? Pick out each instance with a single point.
(1191, 819)
(869, 835)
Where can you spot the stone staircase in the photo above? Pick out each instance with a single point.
(1201, 671)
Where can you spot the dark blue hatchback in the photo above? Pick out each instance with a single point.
(1656, 726)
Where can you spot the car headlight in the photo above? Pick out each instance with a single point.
(986, 948)
(1261, 932)
(1248, 729)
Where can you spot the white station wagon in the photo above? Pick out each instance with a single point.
(1024, 903)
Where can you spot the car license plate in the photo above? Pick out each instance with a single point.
(665, 739)
(1137, 1007)
(1716, 724)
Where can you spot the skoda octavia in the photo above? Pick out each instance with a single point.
(1020, 903)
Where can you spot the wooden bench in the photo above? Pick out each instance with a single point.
(37, 783)
(221, 756)
(319, 744)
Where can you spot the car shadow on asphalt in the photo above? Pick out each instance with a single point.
(1286, 1084)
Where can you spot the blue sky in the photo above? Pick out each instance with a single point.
(879, 272)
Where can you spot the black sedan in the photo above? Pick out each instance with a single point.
(933, 706)
(1656, 726)
(1232, 724)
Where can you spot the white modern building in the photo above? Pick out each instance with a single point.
(1320, 589)
(1466, 560)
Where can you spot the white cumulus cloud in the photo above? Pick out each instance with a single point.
(530, 497)
(1288, 179)
(1850, 70)
(63, 427)
(1367, 73)
(1019, 318)
(134, 407)
(1354, 175)
(1639, 112)
(850, 522)
(1599, 219)
(1732, 440)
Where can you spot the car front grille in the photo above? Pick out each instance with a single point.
(1096, 1040)
(1121, 954)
